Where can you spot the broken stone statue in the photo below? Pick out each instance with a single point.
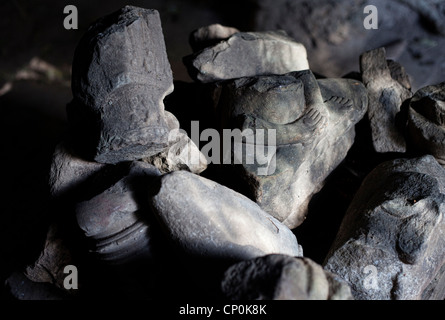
(117, 64)
(69, 172)
(121, 75)
(314, 122)
(207, 219)
(282, 277)
(390, 243)
(388, 86)
(426, 121)
(115, 220)
(244, 54)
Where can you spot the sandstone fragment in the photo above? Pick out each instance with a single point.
(207, 219)
(426, 121)
(55, 255)
(181, 153)
(386, 96)
(114, 219)
(246, 54)
(121, 75)
(282, 277)
(390, 244)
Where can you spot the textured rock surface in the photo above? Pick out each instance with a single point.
(210, 35)
(247, 54)
(207, 219)
(113, 218)
(426, 121)
(314, 123)
(52, 260)
(342, 20)
(121, 75)
(281, 277)
(386, 95)
(181, 153)
(69, 172)
(390, 244)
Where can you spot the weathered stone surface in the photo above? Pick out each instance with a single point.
(121, 75)
(207, 219)
(181, 154)
(324, 27)
(390, 243)
(282, 277)
(426, 121)
(68, 171)
(247, 54)
(388, 88)
(113, 218)
(314, 125)
(207, 36)
(49, 266)
(398, 73)
(21, 288)
(334, 35)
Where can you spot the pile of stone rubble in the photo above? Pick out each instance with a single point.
(139, 216)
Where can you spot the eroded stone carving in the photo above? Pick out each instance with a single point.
(426, 121)
(115, 219)
(314, 124)
(390, 244)
(48, 268)
(181, 153)
(281, 277)
(207, 219)
(388, 86)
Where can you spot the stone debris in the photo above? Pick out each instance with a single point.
(134, 198)
(388, 88)
(314, 126)
(181, 153)
(426, 121)
(390, 244)
(281, 277)
(121, 75)
(49, 267)
(113, 218)
(210, 35)
(206, 218)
